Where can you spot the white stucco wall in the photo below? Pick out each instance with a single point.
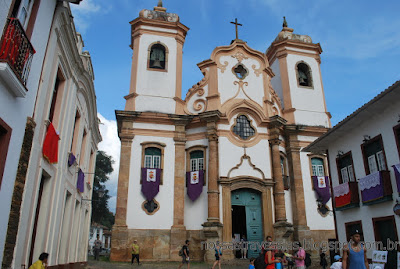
(156, 87)
(163, 219)
(378, 123)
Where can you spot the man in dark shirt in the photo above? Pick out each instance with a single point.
(185, 256)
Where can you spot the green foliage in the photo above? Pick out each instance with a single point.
(100, 211)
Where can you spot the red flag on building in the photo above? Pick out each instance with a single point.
(50, 144)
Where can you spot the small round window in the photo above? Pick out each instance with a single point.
(240, 71)
(243, 128)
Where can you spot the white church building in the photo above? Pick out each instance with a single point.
(227, 159)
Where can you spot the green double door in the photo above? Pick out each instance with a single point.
(247, 218)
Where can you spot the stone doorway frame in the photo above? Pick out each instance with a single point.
(263, 186)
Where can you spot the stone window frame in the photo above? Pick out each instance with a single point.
(166, 57)
(5, 136)
(153, 144)
(340, 178)
(251, 125)
(57, 94)
(365, 159)
(325, 163)
(75, 132)
(155, 211)
(285, 171)
(309, 74)
(197, 148)
(245, 68)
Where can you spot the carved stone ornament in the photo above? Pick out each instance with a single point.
(239, 56)
(150, 207)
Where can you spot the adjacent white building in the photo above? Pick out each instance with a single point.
(364, 156)
(50, 191)
(227, 159)
(104, 235)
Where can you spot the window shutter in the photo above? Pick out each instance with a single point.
(351, 173)
(148, 161)
(193, 164)
(156, 161)
(314, 170)
(345, 177)
(201, 164)
(381, 160)
(321, 170)
(372, 164)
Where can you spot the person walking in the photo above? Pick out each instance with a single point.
(97, 247)
(135, 252)
(355, 254)
(185, 256)
(218, 254)
(41, 263)
(323, 261)
(300, 257)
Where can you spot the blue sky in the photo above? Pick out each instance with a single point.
(360, 41)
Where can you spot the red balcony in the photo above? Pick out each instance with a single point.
(16, 50)
(346, 196)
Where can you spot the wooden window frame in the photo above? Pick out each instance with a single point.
(396, 129)
(188, 163)
(365, 159)
(166, 57)
(56, 98)
(375, 220)
(4, 143)
(152, 144)
(346, 224)
(339, 169)
(285, 172)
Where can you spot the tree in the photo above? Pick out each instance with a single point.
(100, 211)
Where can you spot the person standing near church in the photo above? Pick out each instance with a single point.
(41, 263)
(97, 247)
(135, 252)
(185, 256)
(355, 254)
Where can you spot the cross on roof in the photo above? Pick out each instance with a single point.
(236, 26)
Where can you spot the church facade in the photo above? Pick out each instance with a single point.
(226, 160)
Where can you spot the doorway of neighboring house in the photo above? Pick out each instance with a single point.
(385, 230)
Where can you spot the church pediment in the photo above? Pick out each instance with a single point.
(245, 168)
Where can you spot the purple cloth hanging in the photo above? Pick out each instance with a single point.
(396, 169)
(150, 182)
(372, 192)
(80, 184)
(195, 186)
(71, 159)
(323, 193)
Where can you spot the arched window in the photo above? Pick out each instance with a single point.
(243, 128)
(152, 158)
(304, 75)
(157, 56)
(317, 165)
(196, 160)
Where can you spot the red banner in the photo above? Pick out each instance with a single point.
(343, 200)
(50, 145)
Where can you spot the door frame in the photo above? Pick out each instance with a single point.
(263, 186)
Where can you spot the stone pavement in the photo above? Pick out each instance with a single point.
(237, 264)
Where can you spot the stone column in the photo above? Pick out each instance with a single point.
(213, 227)
(178, 229)
(282, 229)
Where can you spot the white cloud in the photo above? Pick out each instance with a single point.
(84, 13)
(111, 145)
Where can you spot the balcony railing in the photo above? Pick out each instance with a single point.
(16, 50)
(346, 196)
(376, 188)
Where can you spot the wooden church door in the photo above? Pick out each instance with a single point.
(247, 218)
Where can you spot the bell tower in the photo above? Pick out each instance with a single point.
(296, 60)
(157, 39)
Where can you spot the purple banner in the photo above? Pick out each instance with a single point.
(194, 184)
(396, 169)
(321, 187)
(71, 159)
(80, 184)
(372, 193)
(150, 182)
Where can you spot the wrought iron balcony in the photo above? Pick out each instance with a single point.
(16, 50)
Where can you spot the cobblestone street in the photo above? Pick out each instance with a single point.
(238, 264)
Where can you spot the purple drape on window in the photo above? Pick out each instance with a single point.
(149, 188)
(324, 194)
(194, 190)
(71, 159)
(372, 193)
(80, 184)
